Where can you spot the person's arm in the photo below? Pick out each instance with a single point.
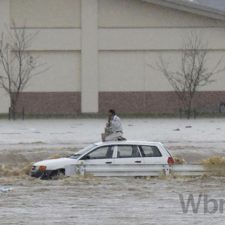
(108, 124)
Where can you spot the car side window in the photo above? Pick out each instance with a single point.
(104, 152)
(127, 151)
(150, 151)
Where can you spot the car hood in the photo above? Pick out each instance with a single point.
(53, 164)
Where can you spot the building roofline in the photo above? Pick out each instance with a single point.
(191, 7)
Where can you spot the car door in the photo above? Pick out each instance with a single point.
(128, 154)
(100, 155)
(151, 154)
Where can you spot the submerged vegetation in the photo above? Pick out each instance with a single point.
(8, 171)
(179, 160)
(215, 165)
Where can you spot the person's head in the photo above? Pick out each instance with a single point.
(111, 113)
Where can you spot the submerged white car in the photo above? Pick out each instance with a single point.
(120, 152)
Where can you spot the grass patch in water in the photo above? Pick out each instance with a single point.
(12, 171)
(179, 161)
(215, 166)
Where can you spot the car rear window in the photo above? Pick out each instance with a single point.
(150, 151)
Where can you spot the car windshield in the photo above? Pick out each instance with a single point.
(82, 151)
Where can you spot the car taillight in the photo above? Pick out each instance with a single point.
(170, 160)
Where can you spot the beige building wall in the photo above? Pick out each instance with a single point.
(152, 32)
(131, 43)
(136, 13)
(98, 49)
(159, 39)
(61, 72)
(4, 20)
(137, 71)
(46, 13)
(89, 56)
(57, 42)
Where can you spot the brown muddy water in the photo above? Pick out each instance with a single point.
(104, 201)
(108, 201)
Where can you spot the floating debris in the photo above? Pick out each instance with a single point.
(177, 129)
(5, 189)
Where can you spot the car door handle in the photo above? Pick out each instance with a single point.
(138, 162)
(108, 162)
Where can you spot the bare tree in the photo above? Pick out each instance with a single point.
(18, 65)
(192, 73)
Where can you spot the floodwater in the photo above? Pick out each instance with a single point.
(107, 201)
(77, 200)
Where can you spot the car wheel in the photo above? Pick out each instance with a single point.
(57, 174)
(44, 176)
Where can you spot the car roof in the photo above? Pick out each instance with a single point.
(128, 142)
